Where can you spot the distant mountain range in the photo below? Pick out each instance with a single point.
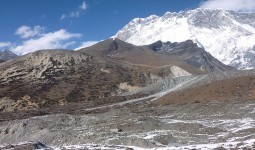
(229, 36)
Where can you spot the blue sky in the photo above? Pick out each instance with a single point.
(28, 25)
(97, 20)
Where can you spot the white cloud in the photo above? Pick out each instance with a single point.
(27, 32)
(69, 44)
(86, 44)
(235, 5)
(76, 13)
(83, 5)
(54, 40)
(63, 16)
(5, 44)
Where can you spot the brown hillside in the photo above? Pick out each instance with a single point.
(241, 88)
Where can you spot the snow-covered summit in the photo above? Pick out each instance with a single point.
(227, 35)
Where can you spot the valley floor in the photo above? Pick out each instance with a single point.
(225, 124)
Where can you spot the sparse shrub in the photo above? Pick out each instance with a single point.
(41, 113)
(197, 101)
(73, 95)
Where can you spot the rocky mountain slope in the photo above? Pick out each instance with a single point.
(7, 55)
(96, 75)
(58, 77)
(227, 35)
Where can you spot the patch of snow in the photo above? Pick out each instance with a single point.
(208, 146)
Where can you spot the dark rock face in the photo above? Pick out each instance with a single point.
(7, 55)
(192, 54)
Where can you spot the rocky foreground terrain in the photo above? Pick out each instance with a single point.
(115, 95)
(214, 125)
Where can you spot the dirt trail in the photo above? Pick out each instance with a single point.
(140, 65)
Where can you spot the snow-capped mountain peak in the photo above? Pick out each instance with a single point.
(227, 35)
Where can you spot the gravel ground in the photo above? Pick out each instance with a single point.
(199, 125)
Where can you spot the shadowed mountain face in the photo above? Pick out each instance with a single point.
(191, 54)
(96, 75)
(6, 55)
